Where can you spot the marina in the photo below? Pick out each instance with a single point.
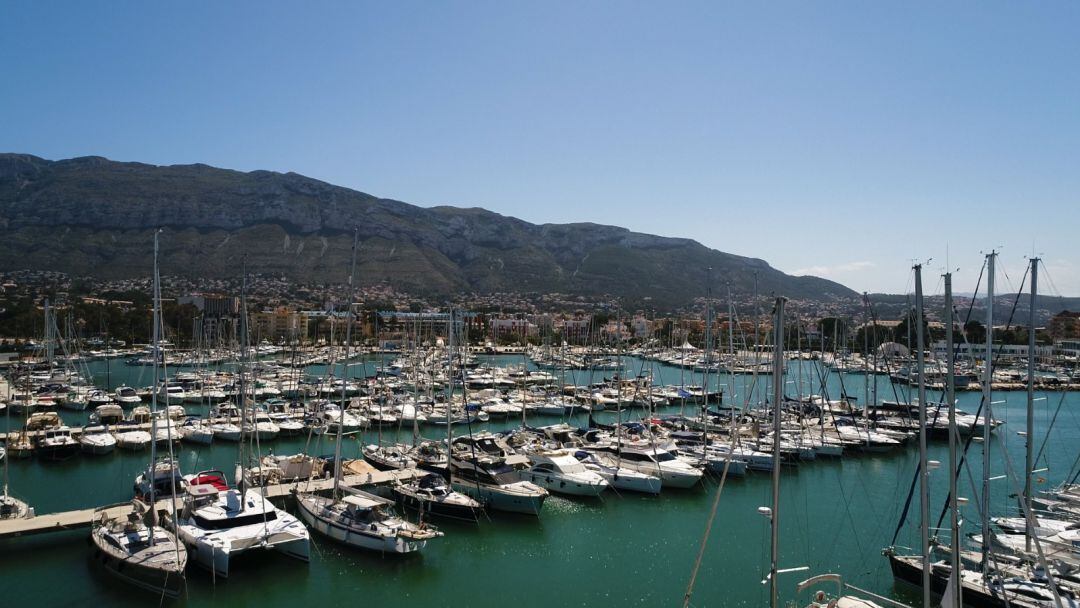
(677, 513)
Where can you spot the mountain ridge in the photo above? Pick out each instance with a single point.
(91, 216)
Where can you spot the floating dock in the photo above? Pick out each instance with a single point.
(82, 518)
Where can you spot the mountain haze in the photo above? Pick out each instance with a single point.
(95, 217)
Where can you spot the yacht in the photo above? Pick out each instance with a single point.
(496, 483)
(619, 477)
(218, 523)
(559, 472)
(129, 436)
(107, 415)
(126, 396)
(262, 426)
(364, 521)
(673, 472)
(97, 440)
(57, 444)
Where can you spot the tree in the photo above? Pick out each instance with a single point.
(975, 332)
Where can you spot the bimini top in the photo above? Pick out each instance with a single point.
(365, 500)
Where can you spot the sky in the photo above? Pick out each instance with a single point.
(841, 139)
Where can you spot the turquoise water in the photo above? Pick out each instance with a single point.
(620, 550)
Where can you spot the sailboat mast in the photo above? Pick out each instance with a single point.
(950, 397)
(345, 372)
(156, 338)
(1030, 457)
(988, 377)
(924, 490)
(777, 402)
(241, 484)
(450, 381)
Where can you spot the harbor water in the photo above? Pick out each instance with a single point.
(619, 550)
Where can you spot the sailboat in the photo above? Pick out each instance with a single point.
(217, 522)
(134, 548)
(352, 517)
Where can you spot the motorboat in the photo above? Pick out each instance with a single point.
(559, 472)
(97, 440)
(496, 483)
(57, 444)
(673, 472)
(108, 414)
(129, 436)
(619, 477)
(126, 396)
(196, 430)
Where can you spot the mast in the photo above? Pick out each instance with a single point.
(1030, 459)
(241, 483)
(156, 337)
(924, 496)
(950, 396)
(988, 377)
(778, 397)
(450, 382)
(345, 373)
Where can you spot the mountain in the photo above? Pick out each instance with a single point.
(95, 217)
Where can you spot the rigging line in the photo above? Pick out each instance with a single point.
(1051, 427)
(705, 536)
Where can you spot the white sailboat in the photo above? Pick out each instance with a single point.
(355, 518)
(134, 548)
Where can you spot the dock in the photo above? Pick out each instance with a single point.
(82, 518)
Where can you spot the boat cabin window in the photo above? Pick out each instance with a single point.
(234, 522)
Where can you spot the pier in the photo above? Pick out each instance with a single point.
(83, 518)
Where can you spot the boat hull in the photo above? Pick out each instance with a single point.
(352, 536)
(498, 500)
(437, 508)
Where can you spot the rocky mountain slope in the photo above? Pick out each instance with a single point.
(94, 217)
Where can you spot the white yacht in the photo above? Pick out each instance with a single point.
(364, 521)
(130, 437)
(126, 396)
(96, 440)
(559, 472)
(217, 523)
(674, 472)
(619, 477)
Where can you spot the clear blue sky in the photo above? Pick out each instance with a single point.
(842, 139)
